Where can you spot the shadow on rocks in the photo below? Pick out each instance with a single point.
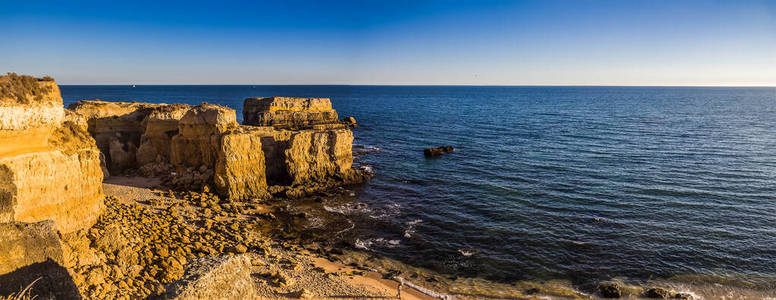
(54, 283)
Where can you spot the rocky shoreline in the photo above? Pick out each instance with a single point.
(65, 238)
(131, 200)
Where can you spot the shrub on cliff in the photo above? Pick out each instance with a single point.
(19, 88)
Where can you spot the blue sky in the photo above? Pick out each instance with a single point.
(487, 42)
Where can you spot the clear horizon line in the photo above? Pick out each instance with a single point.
(451, 85)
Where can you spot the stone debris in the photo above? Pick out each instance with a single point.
(141, 248)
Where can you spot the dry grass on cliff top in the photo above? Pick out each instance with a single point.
(18, 89)
(24, 294)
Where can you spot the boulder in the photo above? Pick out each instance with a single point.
(48, 170)
(288, 112)
(23, 244)
(32, 254)
(431, 152)
(226, 277)
(657, 293)
(610, 290)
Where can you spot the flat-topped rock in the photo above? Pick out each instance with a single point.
(207, 119)
(288, 112)
(199, 135)
(97, 109)
(48, 170)
(29, 109)
(240, 171)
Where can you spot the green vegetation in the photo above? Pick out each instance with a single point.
(20, 88)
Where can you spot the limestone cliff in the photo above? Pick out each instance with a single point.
(288, 112)
(240, 171)
(48, 170)
(158, 129)
(199, 135)
(117, 128)
(314, 155)
(305, 150)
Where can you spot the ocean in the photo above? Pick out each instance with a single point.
(572, 183)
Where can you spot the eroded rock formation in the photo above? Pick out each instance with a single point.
(288, 112)
(300, 147)
(53, 220)
(131, 133)
(49, 170)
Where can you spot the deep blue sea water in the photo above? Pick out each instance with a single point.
(571, 183)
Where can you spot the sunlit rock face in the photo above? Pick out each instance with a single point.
(298, 147)
(288, 112)
(158, 129)
(199, 135)
(131, 134)
(49, 170)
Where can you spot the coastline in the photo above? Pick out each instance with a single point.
(370, 275)
(297, 267)
(196, 197)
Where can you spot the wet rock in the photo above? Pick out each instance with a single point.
(610, 290)
(431, 152)
(656, 293)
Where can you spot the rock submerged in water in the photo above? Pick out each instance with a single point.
(609, 290)
(657, 293)
(431, 152)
